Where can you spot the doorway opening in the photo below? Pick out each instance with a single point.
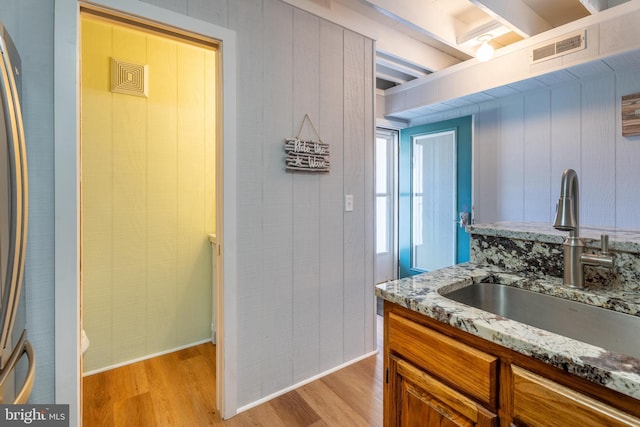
(433, 199)
(435, 187)
(149, 136)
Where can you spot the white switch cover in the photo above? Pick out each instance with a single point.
(348, 202)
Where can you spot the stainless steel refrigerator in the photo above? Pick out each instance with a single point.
(17, 359)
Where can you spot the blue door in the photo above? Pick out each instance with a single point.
(434, 182)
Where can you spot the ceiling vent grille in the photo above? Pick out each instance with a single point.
(559, 47)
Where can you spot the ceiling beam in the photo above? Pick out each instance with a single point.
(390, 76)
(424, 17)
(494, 28)
(595, 6)
(382, 61)
(516, 15)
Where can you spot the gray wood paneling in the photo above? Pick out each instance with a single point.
(246, 17)
(330, 124)
(536, 156)
(179, 6)
(276, 313)
(302, 278)
(521, 150)
(306, 202)
(354, 236)
(566, 134)
(511, 159)
(486, 177)
(214, 11)
(369, 199)
(627, 157)
(597, 180)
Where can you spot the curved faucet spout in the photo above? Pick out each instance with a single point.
(567, 219)
(567, 215)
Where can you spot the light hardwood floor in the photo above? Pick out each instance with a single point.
(178, 389)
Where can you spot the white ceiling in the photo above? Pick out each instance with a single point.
(418, 37)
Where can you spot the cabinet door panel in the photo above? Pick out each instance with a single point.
(536, 398)
(419, 399)
(422, 410)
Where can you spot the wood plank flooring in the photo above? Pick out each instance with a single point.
(178, 389)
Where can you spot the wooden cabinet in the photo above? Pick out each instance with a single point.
(434, 380)
(437, 375)
(533, 395)
(422, 400)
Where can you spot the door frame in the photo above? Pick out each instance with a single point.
(393, 250)
(67, 295)
(464, 175)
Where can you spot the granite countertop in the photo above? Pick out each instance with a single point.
(619, 239)
(613, 370)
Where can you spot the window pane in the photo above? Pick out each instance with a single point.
(417, 183)
(381, 165)
(434, 201)
(382, 232)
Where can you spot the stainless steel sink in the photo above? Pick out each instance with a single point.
(614, 331)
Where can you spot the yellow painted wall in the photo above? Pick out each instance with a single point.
(148, 199)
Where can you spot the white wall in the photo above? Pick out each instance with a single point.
(523, 142)
(30, 23)
(305, 270)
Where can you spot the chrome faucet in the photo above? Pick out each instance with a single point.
(567, 219)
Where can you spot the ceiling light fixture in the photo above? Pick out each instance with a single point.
(485, 51)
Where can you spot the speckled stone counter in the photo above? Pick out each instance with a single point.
(422, 294)
(536, 248)
(619, 239)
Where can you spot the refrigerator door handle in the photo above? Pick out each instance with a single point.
(25, 391)
(19, 200)
(24, 346)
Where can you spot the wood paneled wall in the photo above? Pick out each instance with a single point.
(523, 142)
(305, 270)
(148, 177)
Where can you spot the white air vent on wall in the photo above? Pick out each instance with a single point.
(558, 47)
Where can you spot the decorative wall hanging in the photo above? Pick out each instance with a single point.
(306, 155)
(631, 115)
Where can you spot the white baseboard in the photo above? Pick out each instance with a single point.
(140, 359)
(301, 383)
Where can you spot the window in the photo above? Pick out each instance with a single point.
(433, 201)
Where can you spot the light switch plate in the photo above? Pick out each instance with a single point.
(348, 202)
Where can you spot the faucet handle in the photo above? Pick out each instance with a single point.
(604, 244)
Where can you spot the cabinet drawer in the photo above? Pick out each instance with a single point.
(469, 370)
(537, 399)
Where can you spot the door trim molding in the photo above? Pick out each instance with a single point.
(394, 135)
